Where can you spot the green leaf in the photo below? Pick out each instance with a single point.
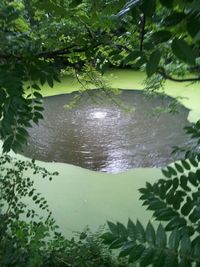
(171, 171)
(179, 167)
(8, 143)
(131, 229)
(118, 243)
(183, 183)
(185, 164)
(161, 36)
(113, 228)
(196, 247)
(153, 63)
(167, 3)
(126, 249)
(193, 25)
(159, 258)
(132, 56)
(34, 197)
(150, 234)
(165, 214)
(174, 239)
(185, 246)
(75, 3)
(148, 7)
(156, 205)
(140, 232)
(177, 199)
(183, 51)
(193, 179)
(22, 131)
(108, 238)
(35, 86)
(166, 173)
(197, 61)
(16, 146)
(195, 215)
(38, 115)
(31, 193)
(147, 257)
(175, 183)
(175, 223)
(50, 81)
(122, 230)
(37, 95)
(186, 208)
(39, 108)
(160, 236)
(171, 260)
(140, 62)
(82, 235)
(173, 19)
(197, 37)
(20, 138)
(136, 253)
(52, 8)
(42, 78)
(194, 162)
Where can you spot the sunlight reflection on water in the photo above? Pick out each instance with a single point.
(106, 137)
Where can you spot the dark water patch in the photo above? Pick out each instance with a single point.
(106, 137)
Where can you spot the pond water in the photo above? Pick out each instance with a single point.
(107, 132)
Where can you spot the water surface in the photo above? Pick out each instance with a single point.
(107, 133)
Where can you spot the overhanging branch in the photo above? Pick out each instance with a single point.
(162, 72)
(46, 54)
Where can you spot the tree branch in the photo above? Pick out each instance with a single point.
(162, 72)
(46, 54)
(142, 31)
(59, 52)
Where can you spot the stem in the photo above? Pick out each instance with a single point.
(142, 30)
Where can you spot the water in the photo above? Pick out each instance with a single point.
(99, 133)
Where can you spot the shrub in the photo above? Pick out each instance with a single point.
(30, 240)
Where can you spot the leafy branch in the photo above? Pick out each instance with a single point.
(163, 73)
(175, 202)
(152, 245)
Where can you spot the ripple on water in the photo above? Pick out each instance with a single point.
(105, 136)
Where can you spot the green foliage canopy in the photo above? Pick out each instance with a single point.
(39, 38)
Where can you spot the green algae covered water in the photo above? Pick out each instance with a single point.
(79, 197)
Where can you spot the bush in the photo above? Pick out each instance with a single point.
(29, 240)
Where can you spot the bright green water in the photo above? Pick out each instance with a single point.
(79, 197)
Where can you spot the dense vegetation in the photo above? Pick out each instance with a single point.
(174, 200)
(40, 40)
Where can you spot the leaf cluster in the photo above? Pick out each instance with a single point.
(174, 201)
(32, 239)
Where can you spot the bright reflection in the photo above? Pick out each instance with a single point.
(116, 161)
(99, 115)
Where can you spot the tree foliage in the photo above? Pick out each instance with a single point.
(175, 203)
(39, 38)
(32, 239)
